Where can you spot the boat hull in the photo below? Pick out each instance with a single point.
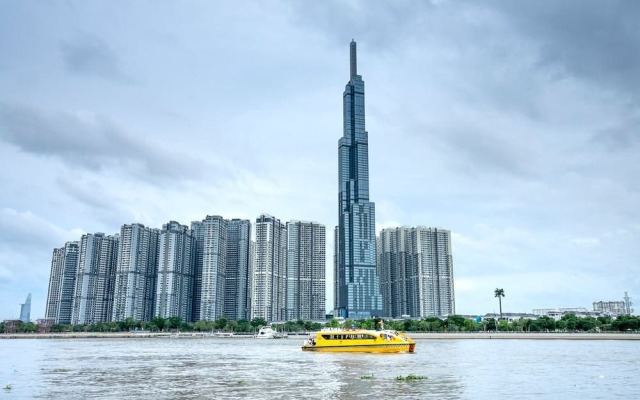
(370, 348)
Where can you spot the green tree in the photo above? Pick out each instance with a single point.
(571, 321)
(174, 322)
(129, 324)
(231, 326)
(158, 323)
(586, 324)
(204, 326)
(244, 326)
(499, 293)
(432, 324)
(533, 326)
(258, 322)
(454, 322)
(503, 325)
(490, 324)
(334, 323)
(546, 323)
(221, 323)
(626, 323)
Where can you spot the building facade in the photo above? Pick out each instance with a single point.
(614, 308)
(135, 277)
(269, 269)
(25, 310)
(175, 274)
(358, 288)
(238, 278)
(210, 267)
(54, 293)
(62, 282)
(93, 294)
(306, 262)
(416, 272)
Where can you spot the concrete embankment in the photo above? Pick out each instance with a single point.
(525, 335)
(413, 335)
(95, 335)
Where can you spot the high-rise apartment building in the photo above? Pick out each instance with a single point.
(93, 294)
(416, 272)
(134, 291)
(52, 309)
(610, 307)
(238, 278)
(306, 261)
(269, 270)
(358, 288)
(175, 274)
(210, 267)
(62, 282)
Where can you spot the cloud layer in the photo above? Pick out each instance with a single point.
(514, 126)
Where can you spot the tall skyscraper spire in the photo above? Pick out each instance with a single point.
(354, 59)
(357, 285)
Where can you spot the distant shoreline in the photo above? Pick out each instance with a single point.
(413, 335)
(526, 335)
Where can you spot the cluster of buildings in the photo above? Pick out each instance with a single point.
(216, 268)
(208, 271)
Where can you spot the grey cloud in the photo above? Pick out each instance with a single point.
(381, 24)
(89, 55)
(94, 143)
(25, 231)
(623, 135)
(92, 194)
(594, 40)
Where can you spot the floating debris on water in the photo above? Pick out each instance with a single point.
(410, 377)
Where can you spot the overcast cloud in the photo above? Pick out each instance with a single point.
(513, 124)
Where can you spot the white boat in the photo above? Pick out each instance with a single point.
(266, 332)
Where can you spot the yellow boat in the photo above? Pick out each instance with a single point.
(359, 341)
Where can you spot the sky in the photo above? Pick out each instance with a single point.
(515, 125)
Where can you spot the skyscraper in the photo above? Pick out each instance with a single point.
(358, 290)
(237, 294)
(52, 309)
(269, 270)
(210, 271)
(25, 310)
(62, 282)
(93, 295)
(306, 260)
(175, 279)
(416, 272)
(134, 291)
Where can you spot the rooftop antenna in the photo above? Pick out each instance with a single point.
(627, 304)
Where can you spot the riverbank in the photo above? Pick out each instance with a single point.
(414, 335)
(526, 335)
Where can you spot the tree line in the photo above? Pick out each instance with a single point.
(453, 323)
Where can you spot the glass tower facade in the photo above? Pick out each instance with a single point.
(358, 290)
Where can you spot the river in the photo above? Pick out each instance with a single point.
(216, 368)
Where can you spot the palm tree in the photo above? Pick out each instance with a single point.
(499, 293)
